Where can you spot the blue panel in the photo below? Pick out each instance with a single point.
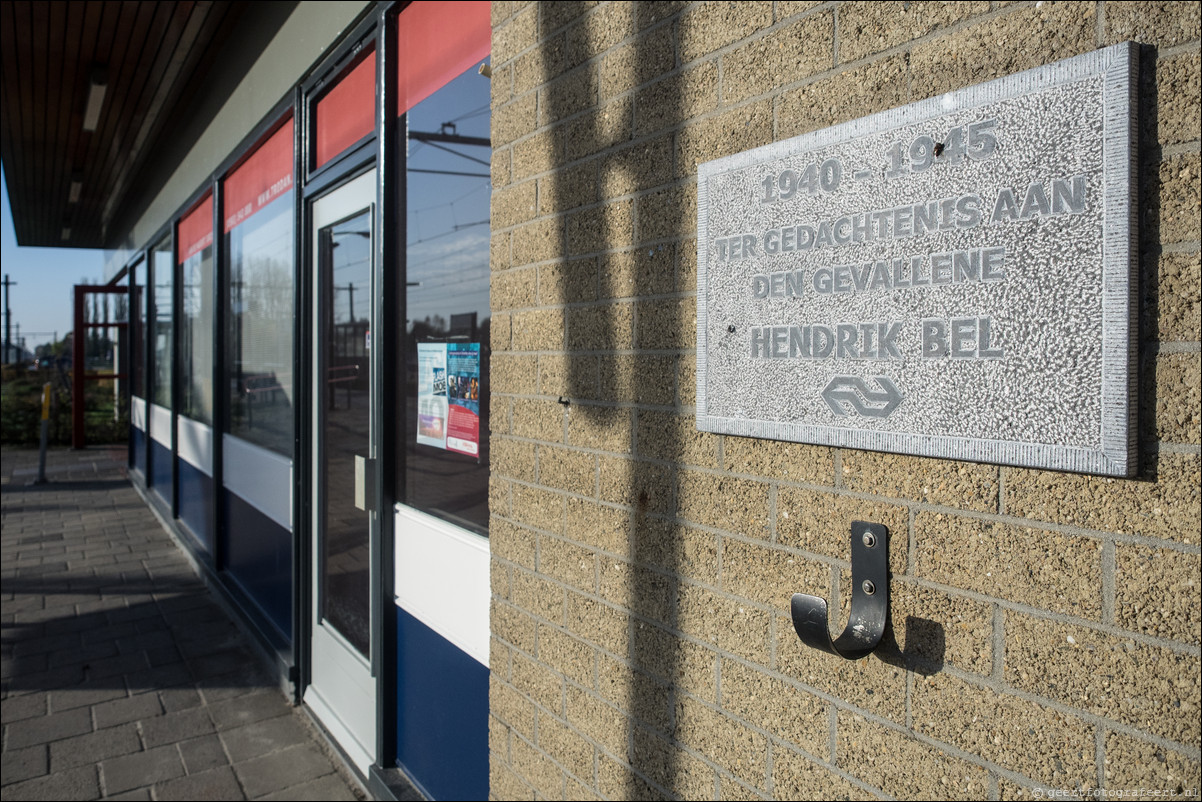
(257, 552)
(196, 502)
(137, 447)
(442, 713)
(160, 464)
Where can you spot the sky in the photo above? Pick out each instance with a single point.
(41, 298)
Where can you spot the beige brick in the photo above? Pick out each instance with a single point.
(797, 777)
(732, 626)
(690, 667)
(603, 527)
(788, 712)
(670, 212)
(513, 289)
(616, 780)
(600, 228)
(513, 459)
(573, 658)
(870, 683)
(672, 546)
(541, 684)
(1134, 763)
(1157, 592)
(597, 130)
(512, 625)
(675, 438)
(603, 28)
(511, 707)
(680, 96)
(557, 15)
(1055, 749)
(574, 281)
(538, 419)
(938, 628)
(909, 768)
(538, 595)
(852, 94)
(500, 336)
(1163, 502)
(667, 323)
(595, 719)
(1178, 92)
(820, 522)
(637, 378)
(604, 428)
(712, 26)
(500, 169)
(686, 382)
(513, 121)
(567, 189)
(500, 86)
(953, 484)
(644, 592)
(788, 462)
(732, 789)
(567, 95)
(567, 562)
(787, 55)
(724, 502)
(677, 771)
(574, 789)
(637, 167)
(724, 134)
(538, 153)
(565, 746)
(513, 205)
(564, 469)
(724, 741)
(1178, 382)
(568, 376)
(538, 241)
(1150, 688)
(598, 623)
(604, 327)
(645, 486)
(767, 575)
(539, 64)
(629, 66)
(638, 272)
(1023, 38)
(504, 782)
(538, 330)
(513, 373)
(499, 496)
(639, 695)
(537, 769)
(1173, 310)
(1049, 570)
(866, 28)
(1153, 23)
(499, 249)
(1180, 198)
(515, 35)
(508, 541)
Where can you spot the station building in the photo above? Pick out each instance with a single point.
(412, 374)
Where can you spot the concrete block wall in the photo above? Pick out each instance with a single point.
(1045, 626)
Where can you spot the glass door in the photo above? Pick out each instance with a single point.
(342, 689)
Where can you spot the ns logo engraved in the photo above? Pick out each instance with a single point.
(847, 393)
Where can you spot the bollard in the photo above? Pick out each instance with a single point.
(41, 480)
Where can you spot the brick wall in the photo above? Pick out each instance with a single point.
(1045, 626)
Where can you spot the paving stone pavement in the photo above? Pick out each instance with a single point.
(120, 676)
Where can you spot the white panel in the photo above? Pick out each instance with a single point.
(442, 579)
(137, 413)
(196, 445)
(261, 478)
(160, 425)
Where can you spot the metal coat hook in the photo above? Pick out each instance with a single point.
(869, 598)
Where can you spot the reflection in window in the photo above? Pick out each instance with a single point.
(447, 308)
(196, 336)
(162, 338)
(137, 303)
(259, 326)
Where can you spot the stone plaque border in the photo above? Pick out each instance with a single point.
(1117, 456)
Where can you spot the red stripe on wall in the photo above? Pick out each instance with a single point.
(261, 178)
(436, 41)
(195, 232)
(346, 113)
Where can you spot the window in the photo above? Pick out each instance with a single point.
(196, 312)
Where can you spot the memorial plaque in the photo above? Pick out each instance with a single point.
(953, 278)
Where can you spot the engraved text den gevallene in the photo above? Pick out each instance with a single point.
(966, 337)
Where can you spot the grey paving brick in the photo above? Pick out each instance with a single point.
(218, 783)
(280, 770)
(182, 698)
(175, 727)
(143, 768)
(16, 708)
(86, 694)
(79, 783)
(132, 708)
(202, 754)
(331, 787)
(247, 709)
(48, 728)
(94, 747)
(22, 764)
(262, 737)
